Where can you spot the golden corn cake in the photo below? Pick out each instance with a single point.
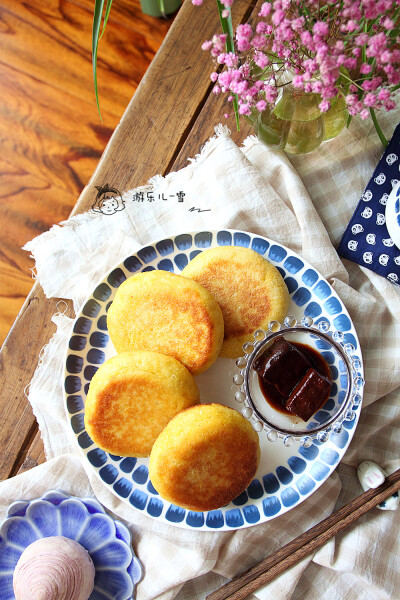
(249, 289)
(132, 397)
(205, 457)
(168, 313)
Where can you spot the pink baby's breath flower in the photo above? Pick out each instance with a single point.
(306, 39)
(261, 60)
(351, 26)
(231, 60)
(324, 106)
(383, 94)
(350, 63)
(258, 42)
(225, 78)
(362, 39)
(390, 105)
(270, 93)
(298, 24)
(387, 23)
(206, 45)
(261, 105)
(370, 100)
(243, 44)
(350, 99)
(298, 81)
(265, 10)
(244, 30)
(365, 69)
(376, 45)
(278, 17)
(244, 109)
(197, 2)
(321, 28)
(317, 87)
(354, 43)
(385, 57)
(261, 28)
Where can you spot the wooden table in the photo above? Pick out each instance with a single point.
(171, 115)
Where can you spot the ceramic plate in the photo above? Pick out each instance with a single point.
(81, 519)
(393, 214)
(286, 476)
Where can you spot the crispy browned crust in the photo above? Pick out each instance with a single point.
(167, 313)
(205, 457)
(249, 289)
(132, 397)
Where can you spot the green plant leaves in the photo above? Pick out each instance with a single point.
(97, 18)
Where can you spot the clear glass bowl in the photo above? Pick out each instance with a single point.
(345, 373)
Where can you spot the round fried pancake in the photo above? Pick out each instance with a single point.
(132, 397)
(168, 313)
(205, 457)
(249, 289)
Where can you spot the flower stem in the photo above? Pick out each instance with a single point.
(378, 129)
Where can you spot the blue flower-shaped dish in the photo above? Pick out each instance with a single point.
(81, 519)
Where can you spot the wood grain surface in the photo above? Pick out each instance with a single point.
(165, 123)
(51, 136)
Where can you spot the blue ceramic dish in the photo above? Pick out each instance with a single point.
(81, 519)
(286, 476)
(393, 218)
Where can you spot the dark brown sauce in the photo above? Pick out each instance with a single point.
(277, 395)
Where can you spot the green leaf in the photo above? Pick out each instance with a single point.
(108, 8)
(97, 15)
(378, 129)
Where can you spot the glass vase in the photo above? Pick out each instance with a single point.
(295, 124)
(159, 8)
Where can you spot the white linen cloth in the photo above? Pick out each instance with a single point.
(257, 189)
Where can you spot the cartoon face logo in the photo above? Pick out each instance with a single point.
(384, 199)
(352, 245)
(357, 228)
(370, 238)
(380, 219)
(393, 277)
(108, 200)
(394, 182)
(388, 242)
(381, 178)
(367, 212)
(367, 195)
(391, 158)
(383, 259)
(397, 260)
(367, 257)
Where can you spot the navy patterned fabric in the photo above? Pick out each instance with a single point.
(366, 240)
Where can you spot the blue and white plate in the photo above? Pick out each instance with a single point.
(81, 519)
(392, 215)
(286, 476)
